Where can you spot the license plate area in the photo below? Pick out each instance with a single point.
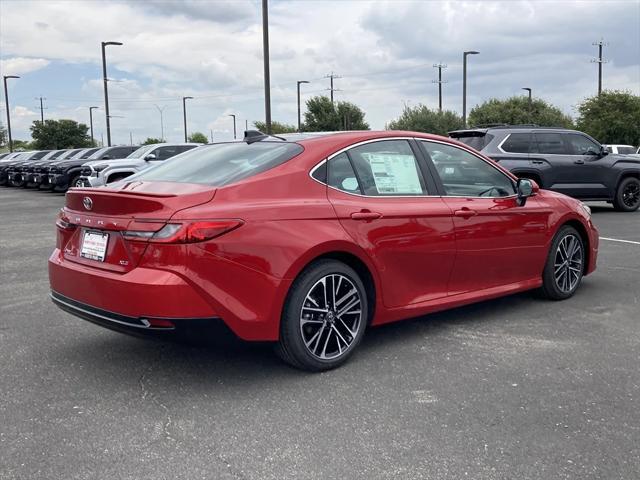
(94, 245)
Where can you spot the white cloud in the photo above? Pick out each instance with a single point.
(22, 65)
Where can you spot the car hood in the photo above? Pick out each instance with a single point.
(110, 161)
(630, 157)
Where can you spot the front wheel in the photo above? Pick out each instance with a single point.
(627, 198)
(324, 317)
(565, 264)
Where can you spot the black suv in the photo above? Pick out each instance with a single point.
(566, 161)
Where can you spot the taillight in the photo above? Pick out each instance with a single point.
(187, 232)
(63, 222)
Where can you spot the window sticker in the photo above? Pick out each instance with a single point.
(394, 173)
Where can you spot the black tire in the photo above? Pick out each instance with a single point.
(627, 197)
(555, 284)
(297, 340)
(74, 182)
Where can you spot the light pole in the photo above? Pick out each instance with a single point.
(265, 55)
(528, 90)
(106, 91)
(6, 100)
(161, 110)
(530, 104)
(184, 115)
(464, 84)
(234, 124)
(91, 122)
(299, 82)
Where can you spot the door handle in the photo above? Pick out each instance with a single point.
(579, 162)
(365, 215)
(465, 212)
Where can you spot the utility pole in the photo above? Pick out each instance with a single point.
(599, 61)
(246, 125)
(184, 115)
(439, 66)
(234, 125)
(91, 122)
(130, 139)
(464, 84)
(331, 77)
(41, 109)
(101, 139)
(265, 55)
(106, 90)
(299, 82)
(211, 132)
(6, 102)
(161, 110)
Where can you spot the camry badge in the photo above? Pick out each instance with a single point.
(88, 203)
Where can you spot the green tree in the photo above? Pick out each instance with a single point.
(422, 119)
(56, 134)
(613, 117)
(151, 141)
(324, 116)
(198, 137)
(3, 135)
(276, 127)
(516, 110)
(23, 145)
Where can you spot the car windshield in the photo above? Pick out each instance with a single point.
(140, 152)
(221, 164)
(477, 140)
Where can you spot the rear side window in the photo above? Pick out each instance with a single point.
(517, 143)
(221, 164)
(476, 141)
(88, 153)
(387, 168)
(342, 176)
(119, 152)
(551, 143)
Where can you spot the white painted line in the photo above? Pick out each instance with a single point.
(619, 240)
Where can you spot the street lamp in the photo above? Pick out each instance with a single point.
(106, 92)
(299, 82)
(265, 58)
(184, 115)
(234, 124)
(161, 110)
(91, 122)
(528, 90)
(6, 99)
(464, 84)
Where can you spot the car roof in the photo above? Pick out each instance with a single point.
(483, 129)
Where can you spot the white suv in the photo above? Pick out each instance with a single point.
(621, 149)
(100, 172)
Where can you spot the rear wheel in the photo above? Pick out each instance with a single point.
(565, 264)
(324, 317)
(627, 198)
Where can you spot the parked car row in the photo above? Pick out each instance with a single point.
(60, 169)
(566, 161)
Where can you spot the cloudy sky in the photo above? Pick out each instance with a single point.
(383, 50)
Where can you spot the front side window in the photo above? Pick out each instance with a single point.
(551, 143)
(119, 152)
(162, 153)
(465, 175)
(517, 143)
(581, 145)
(387, 168)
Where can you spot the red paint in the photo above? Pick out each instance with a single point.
(424, 253)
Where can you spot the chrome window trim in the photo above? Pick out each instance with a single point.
(364, 142)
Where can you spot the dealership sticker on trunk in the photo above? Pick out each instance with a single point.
(94, 245)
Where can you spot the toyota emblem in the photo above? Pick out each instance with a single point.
(88, 203)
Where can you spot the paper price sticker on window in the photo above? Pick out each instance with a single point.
(394, 173)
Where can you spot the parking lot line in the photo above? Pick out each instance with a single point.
(619, 240)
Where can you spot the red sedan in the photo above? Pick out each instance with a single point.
(306, 241)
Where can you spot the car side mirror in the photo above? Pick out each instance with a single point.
(151, 156)
(604, 151)
(525, 188)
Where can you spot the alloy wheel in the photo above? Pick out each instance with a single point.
(631, 194)
(330, 317)
(568, 263)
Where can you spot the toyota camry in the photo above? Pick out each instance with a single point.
(307, 240)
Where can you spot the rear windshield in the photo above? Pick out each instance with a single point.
(221, 164)
(475, 140)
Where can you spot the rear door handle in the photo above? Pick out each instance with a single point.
(579, 162)
(365, 215)
(465, 212)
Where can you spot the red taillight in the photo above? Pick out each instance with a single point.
(187, 232)
(63, 222)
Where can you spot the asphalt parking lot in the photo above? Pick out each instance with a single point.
(516, 388)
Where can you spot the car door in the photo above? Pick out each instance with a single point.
(498, 242)
(591, 171)
(384, 201)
